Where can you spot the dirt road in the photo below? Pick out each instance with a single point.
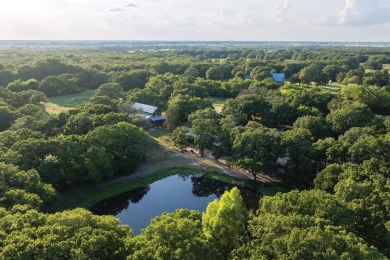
(164, 158)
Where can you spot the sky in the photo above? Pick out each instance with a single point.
(197, 20)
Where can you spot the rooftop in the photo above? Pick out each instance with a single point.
(278, 77)
(145, 108)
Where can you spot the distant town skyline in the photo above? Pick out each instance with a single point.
(180, 20)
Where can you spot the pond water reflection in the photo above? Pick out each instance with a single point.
(138, 207)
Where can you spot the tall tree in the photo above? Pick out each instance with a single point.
(6, 118)
(224, 220)
(111, 90)
(300, 150)
(350, 114)
(179, 137)
(214, 73)
(257, 148)
(205, 127)
(255, 107)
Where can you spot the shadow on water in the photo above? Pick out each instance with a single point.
(116, 204)
(204, 187)
(137, 207)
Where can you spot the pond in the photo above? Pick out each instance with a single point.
(138, 207)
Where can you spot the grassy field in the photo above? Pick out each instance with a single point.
(159, 133)
(386, 66)
(335, 89)
(218, 102)
(53, 109)
(161, 136)
(73, 100)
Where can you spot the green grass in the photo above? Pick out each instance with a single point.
(386, 66)
(159, 133)
(53, 109)
(88, 195)
(218, 102)
(333, 88)
(161, 136)
(73, 100)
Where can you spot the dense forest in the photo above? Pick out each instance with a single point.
(329, 121)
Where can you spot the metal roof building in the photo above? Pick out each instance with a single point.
(149, 112)
(278, 77)
(145, 108)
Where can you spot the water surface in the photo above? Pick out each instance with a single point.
(138, 207)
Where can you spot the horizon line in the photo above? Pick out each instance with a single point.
(184, 41)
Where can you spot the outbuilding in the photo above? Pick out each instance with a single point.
(278, 78)
(149, 112)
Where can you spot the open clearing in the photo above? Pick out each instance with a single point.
(73, 100)
(54, 109)
(218, 103)
(61, 104)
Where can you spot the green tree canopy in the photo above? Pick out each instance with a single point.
(179, 137)
(205, 127)
(111, 90)
(175, 235)
(349, 115)
(257, 148)
(6, 118)
(304, 225)
(224, 221)
(75, 234)
(59, 85)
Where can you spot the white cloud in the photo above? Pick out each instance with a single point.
(227, 13)
(130, 5)
(359, 13)
(280, 13)
(116, 9)
(166, 20)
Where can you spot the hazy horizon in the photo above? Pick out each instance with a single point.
(217, 20)
(185, 41)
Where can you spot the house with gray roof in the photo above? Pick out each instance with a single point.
(148, 112)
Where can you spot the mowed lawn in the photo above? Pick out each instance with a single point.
(73, 100)
(218, 103)
(64, 103)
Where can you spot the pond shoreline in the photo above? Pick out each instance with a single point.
(192, 191)
(164, 162)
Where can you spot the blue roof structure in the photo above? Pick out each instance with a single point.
(278, 77)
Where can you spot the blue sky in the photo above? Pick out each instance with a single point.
(261, 20)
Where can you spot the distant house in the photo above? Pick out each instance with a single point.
(149, 112)
(278, 78)
(247, 77)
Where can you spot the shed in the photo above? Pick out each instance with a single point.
(278, 78)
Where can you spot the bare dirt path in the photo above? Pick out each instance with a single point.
(165, 158)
